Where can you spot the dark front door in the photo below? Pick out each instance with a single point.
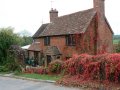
(36, 58)
(48, 59)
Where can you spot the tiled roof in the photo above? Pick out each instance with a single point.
(52, 50)
(40, 30)
(69, 24)
(35, 47)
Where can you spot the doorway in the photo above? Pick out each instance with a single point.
(36, 58)
(49, 59)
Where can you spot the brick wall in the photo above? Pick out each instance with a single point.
(104, 35)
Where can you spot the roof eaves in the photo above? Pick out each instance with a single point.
(40, 30)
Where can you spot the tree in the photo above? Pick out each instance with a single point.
(26, 40)
(7, 38)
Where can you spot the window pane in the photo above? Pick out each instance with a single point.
(73, 40)
(47, 41)
(70, 40)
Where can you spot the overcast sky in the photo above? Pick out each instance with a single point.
(30, 14)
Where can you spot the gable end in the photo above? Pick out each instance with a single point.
(109, 25)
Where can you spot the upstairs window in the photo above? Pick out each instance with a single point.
(46, 41)
(70, 40)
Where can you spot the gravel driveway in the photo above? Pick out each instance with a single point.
(7, 83)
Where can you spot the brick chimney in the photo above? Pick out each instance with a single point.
(53, 14)
(99, 6)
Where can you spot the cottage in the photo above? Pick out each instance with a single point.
(85, 31)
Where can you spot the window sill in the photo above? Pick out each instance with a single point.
(46, 45)
(70, 45)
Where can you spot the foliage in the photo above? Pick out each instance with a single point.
(12, 63)
(75, 65)
(17, 53)
(7, 38)
(55, 67)
(117, 47)
(81, 68)
(3, 69)
(26, 40)
(37, 70)
(116, 39)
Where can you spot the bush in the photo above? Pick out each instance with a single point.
(84, 67)
(3, 69)
(41, 70)
(37, 70)
(77, 64)
(55, 67)
(12, 64)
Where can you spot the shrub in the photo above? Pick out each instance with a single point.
(37, 70)
(3, 69)
(29, 70)
(41, 70)
(55, 67)
(12, 64)
(84, 67)
(77, 64)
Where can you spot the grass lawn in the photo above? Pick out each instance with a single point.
(42, 77)
(115, 41)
